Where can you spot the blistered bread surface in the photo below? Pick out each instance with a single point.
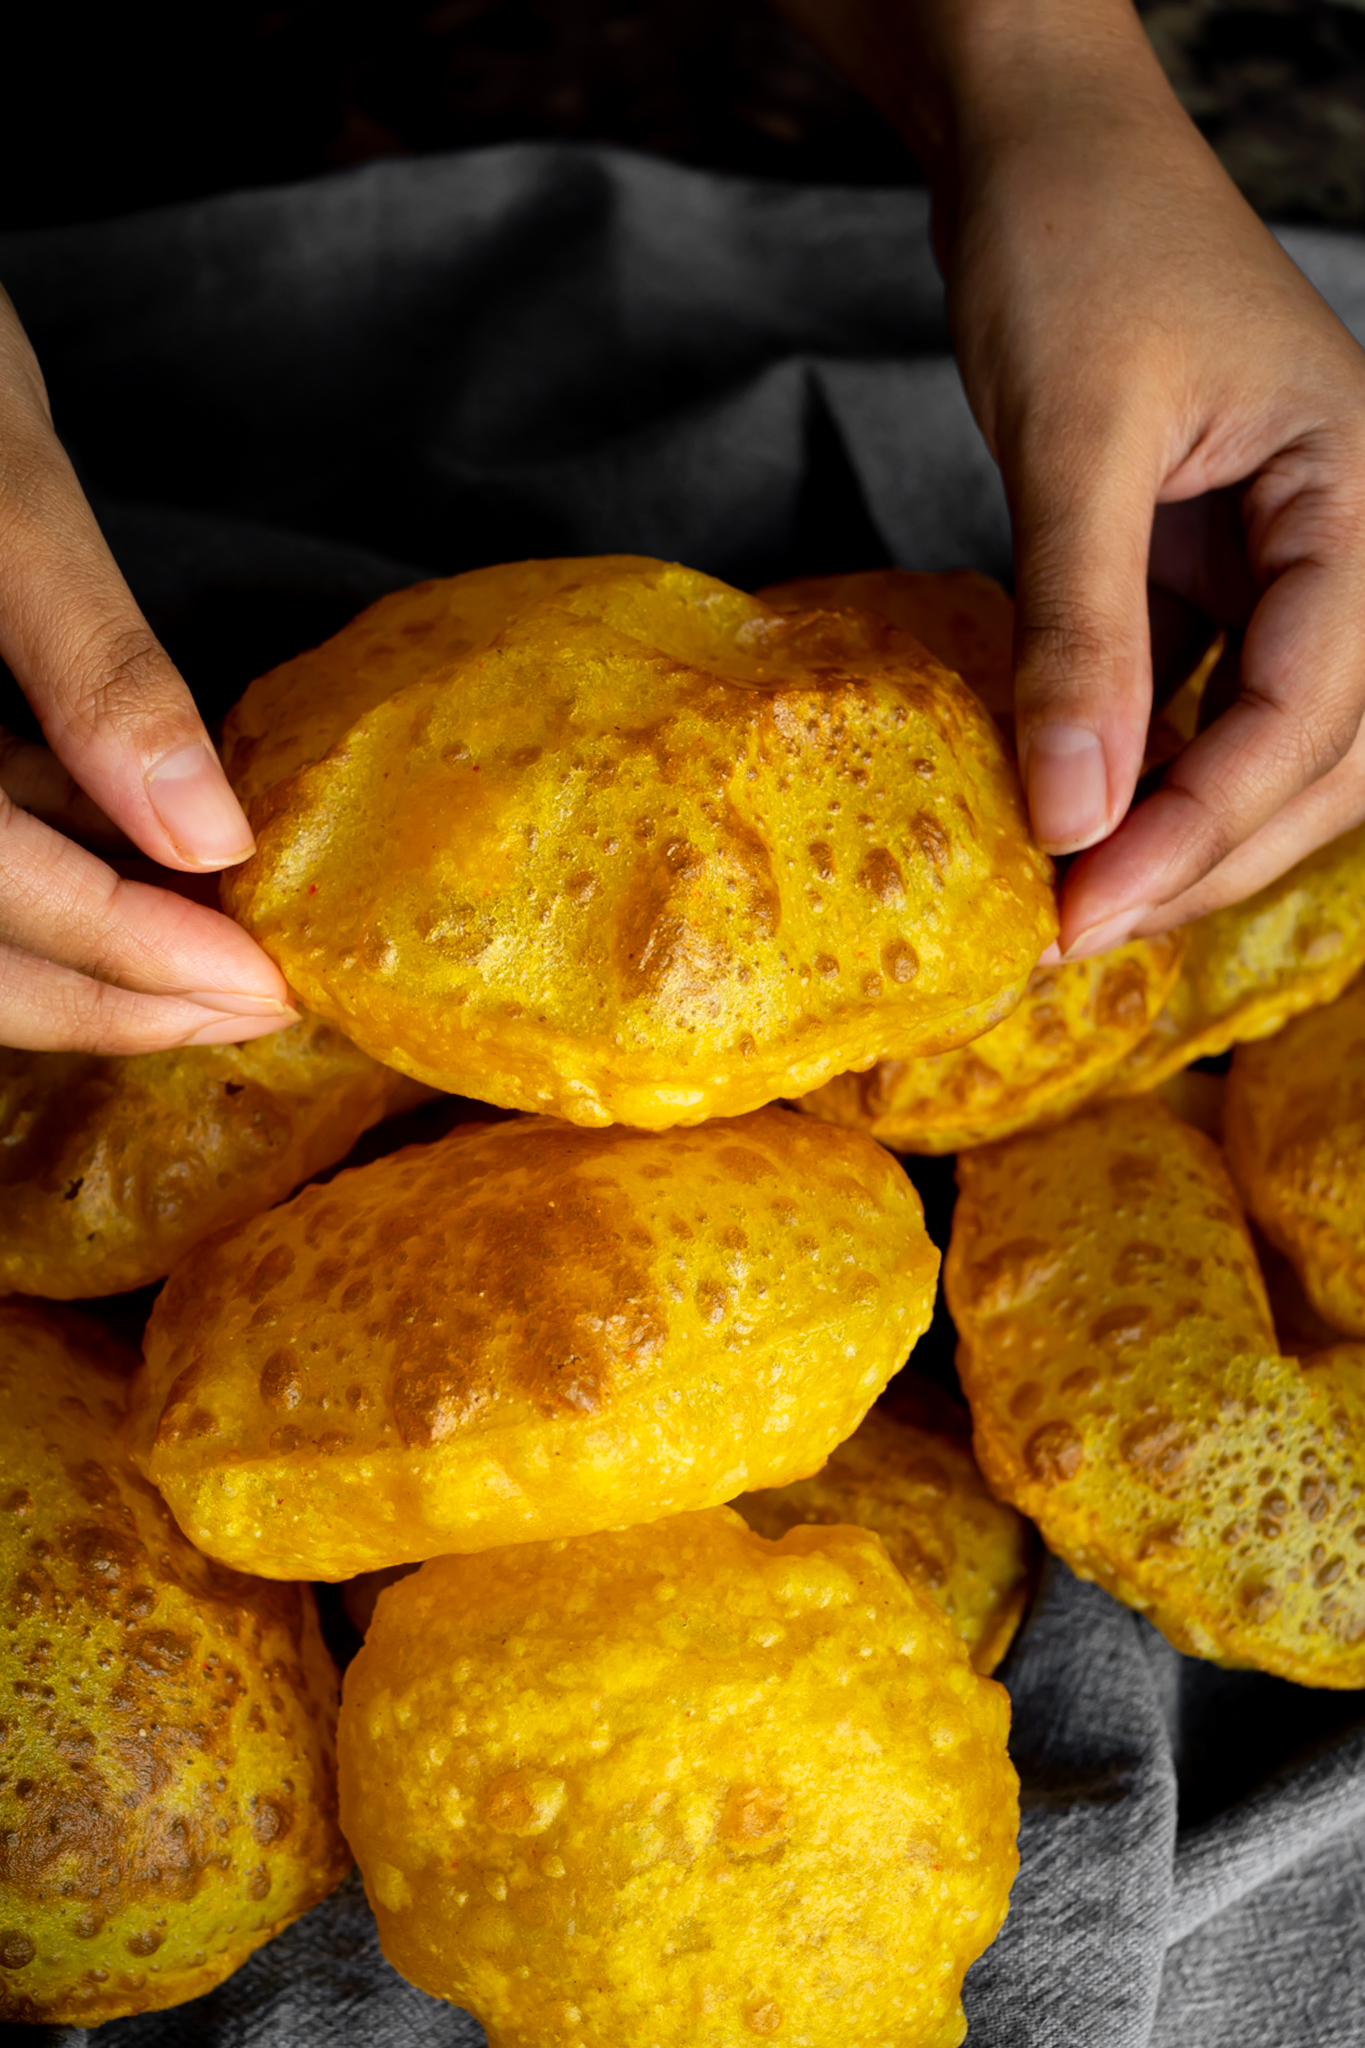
(1250, 968)
(1077, 1022)
(921, 1491)
(1128, 1393)
(168, 1797)
(525, 1331)
(1294, 1127)
(963, 617)
(679, 1787)
(609, 839)
(111, 1169)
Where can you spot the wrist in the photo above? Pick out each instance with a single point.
(966, 80)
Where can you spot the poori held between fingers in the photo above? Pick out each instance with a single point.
(1077, 1024)
(526, 1330)
(921, 1491)
(1128, 1393)
(112, 1169)
(678, 1787)
(611, 840)
(1294, 1128)
(168, 1800)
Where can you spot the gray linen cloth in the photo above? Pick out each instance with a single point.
(286, 402)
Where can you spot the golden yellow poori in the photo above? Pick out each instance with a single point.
(1129, 1395)
(1250, 968)
(526, 1331)
(1294, 1128)
(112, 1169)
(611, 840)
(1077, 1023)
(963, 617)
(168, 1796)
(679, 1787)
(967, 620)
(921, 1491)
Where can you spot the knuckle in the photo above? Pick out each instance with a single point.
(100, 1017)
(53, 1009)
(121, 673)
(1202, 824)
(1064, 641)
(1310, 736)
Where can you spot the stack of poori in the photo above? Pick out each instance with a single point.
(613, 846)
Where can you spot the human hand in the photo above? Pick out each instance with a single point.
(1166, 396)
(89, 960)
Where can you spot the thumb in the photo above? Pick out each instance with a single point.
(1083, 678)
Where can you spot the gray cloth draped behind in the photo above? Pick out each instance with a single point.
(284, 403)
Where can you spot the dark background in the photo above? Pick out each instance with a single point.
(107, 109)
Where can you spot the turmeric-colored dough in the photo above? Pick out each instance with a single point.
(1077, 1023)
(963, 617)
(168, 1798)
(609, 839)
(967, 620)
(111, 1169)
(1250, 968)
(679, 1787)
(1294, 1127)
(527, 1331)
(1129, 1395)
(922, 1492)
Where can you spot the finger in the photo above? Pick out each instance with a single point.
(111, 703)
(33, 777)
(1320, 814)
(63, 903)
(1297, 715)
(1082, 520)
(47, 1008)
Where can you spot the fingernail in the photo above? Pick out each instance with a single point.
(236, 1030)
(1051, 956)
(229, 1003)
(1068, 791)
(1108, 933)
(190, 795)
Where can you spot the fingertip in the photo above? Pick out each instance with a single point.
(1067, 779)
(1107, 934)
(197, 810)
(237, 1030)
(237, 1003)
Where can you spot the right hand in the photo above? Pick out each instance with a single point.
(90, 961)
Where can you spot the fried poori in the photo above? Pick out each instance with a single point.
(1294, 1128)
(1077, 1023)
(609, 839)
(1250, 968)
(1128, 1393)
(677, 1787)
(111, 1169)
(527, 1331)
(967, 620)
(921, 1491)
(168, 1800)
(963, 617)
